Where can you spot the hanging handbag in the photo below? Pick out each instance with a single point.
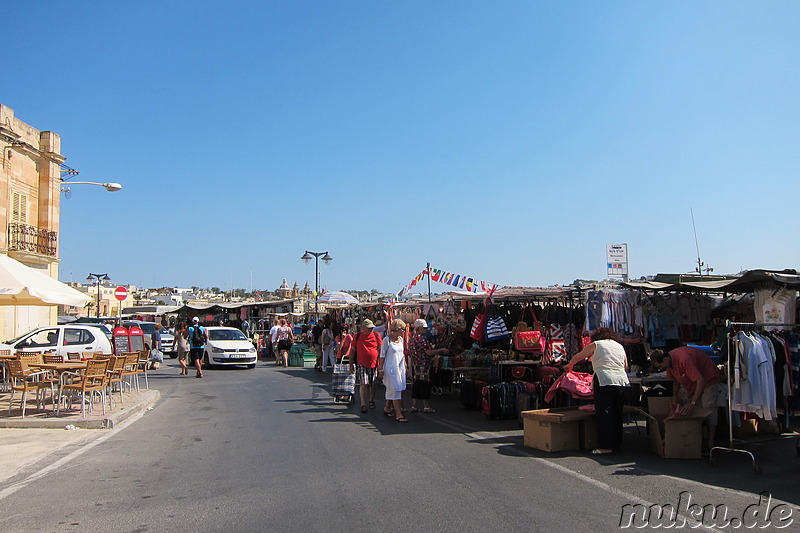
(478, 327)
(529, 341)
(496, 329)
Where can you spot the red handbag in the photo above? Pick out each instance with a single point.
(530, 341)
(478, 327)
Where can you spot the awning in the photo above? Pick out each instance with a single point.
(23, 285)
(749, 281)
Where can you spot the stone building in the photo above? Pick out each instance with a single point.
(30, 186)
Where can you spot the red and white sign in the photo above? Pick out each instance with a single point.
(121, 293)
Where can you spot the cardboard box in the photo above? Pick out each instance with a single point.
(588, 433)
(675, 438)
(555, 430)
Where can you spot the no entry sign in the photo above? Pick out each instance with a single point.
(121, 293)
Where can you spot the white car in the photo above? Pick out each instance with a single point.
(228, 346)
(60, 340)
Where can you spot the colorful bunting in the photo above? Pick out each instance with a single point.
(448, 278)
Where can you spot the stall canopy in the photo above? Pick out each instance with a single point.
(749, 281)
(338, 298)
(23, 285)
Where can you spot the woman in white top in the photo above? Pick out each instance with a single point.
(610, 381)
(392, 369)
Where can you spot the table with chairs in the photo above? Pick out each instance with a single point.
(80, 376)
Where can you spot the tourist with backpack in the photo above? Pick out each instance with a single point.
(197, 343)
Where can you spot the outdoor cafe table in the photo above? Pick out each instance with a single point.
(59, 369)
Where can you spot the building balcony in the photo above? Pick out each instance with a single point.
(32, 243)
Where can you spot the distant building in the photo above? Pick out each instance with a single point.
(284, 291)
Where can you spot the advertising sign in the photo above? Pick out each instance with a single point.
(617, 260)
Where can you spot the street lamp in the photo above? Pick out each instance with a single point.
(110, 187)
(325, 259)
(99, 277)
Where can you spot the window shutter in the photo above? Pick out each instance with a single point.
(19, 208)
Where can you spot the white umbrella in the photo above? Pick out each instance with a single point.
(23, 285)
(338, 298)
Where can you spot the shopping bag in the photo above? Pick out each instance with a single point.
(478, 327)
(156, 356)
(558, 350)
(528, 341)
(496, 329)
(343, 382)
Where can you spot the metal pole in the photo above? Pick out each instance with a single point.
(316, 288)
(428, 270)
(98, 298)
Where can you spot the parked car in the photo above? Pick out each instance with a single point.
(148, 328)
(102, 327)
(228, 346)
(60, 340)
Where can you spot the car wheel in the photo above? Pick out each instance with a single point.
(252, 366)
(207, 361)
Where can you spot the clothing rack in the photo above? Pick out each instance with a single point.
(730, 447)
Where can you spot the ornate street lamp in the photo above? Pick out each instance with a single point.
(99, 277)
(325, 259)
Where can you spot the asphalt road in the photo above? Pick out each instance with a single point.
(268, 450)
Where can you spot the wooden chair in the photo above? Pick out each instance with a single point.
(92, 379)
(130, 369)
(144, 360)
(30, 357)
(115, 375)
(52, 358)
(87, 355)
(22, 379)
(4, 368)
(73, 356)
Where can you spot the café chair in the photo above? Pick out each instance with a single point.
(4, 368)
(91, 379)
(73, 356)
(50, 359)
(144, 360)
(130, 369)
(115, 375)
(23, 380)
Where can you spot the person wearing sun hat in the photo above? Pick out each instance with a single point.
(363, 357)
(423, 356)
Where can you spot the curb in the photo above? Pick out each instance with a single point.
(142, 403)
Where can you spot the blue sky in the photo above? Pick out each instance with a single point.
(508, 141)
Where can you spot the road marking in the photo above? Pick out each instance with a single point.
(586, 479)
(14, 487)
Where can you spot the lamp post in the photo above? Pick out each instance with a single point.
(325, 259)
(99, 277)
(110, 187)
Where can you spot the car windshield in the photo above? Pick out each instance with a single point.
(15, 339)
(147, 327)
(226, 335)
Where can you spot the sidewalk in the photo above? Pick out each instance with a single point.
(26, 441)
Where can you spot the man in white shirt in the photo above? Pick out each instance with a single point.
(273, 342)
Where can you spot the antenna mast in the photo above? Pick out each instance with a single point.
(699, 268)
